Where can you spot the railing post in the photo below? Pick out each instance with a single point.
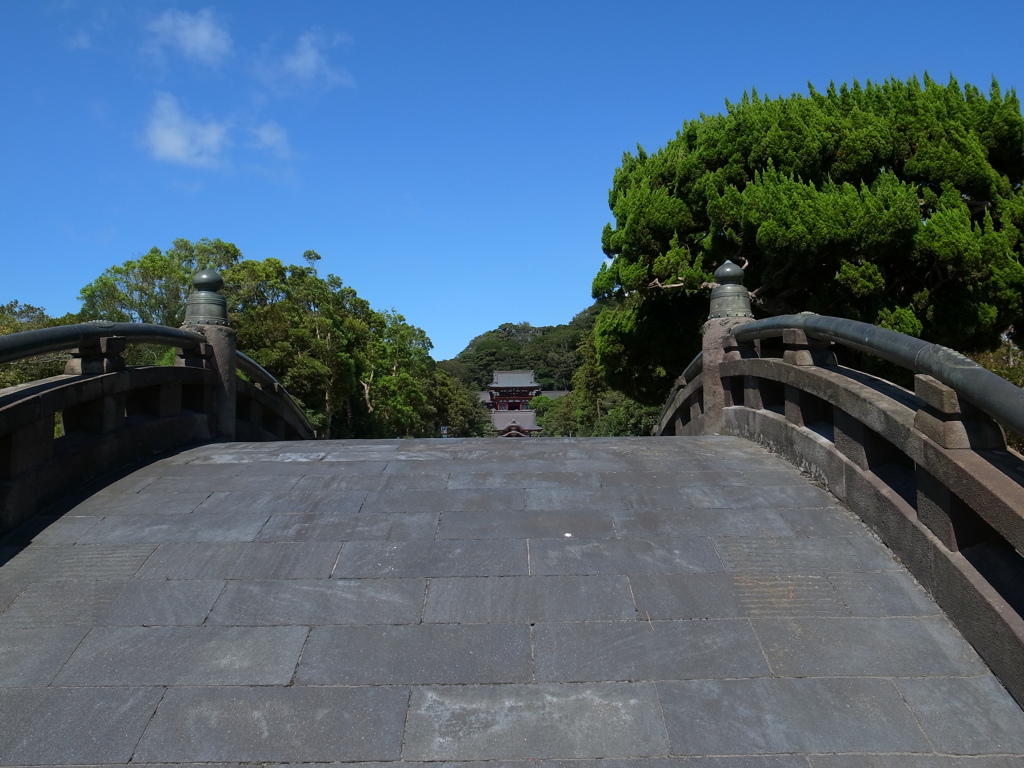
(102, 357)
(730, 307)
(207, 312)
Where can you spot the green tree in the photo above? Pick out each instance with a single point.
(455, 406)
(153, 288)
(396, 376)
(310, 332)
(16, 317)
(898, 203)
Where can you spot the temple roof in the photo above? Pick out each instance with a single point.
(514, 379)
(522, 421)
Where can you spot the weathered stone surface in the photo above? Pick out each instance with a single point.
(349, 527)
(914, 647)
(701, 522)
(73, 726)
(554, 523)
(157, 528)
(393, 559)
(523, 598)
(554, 721)
(420, 601)
(567, 556)
(79, 562)
(796, 555)
(138, 656)
(300, 724)
(657, 650)
(319, 601)
(260, 560)
(740, 717)
(962, 715)
(417, 653)
(33, 656)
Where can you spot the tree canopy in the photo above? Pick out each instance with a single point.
(358, 372)
(899, 204)
(153, 288)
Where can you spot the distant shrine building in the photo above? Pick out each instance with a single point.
(508, 398)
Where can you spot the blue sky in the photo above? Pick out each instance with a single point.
(450, 160)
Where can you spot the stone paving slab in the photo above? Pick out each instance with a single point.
(370, 526)
(567, 556)
(73, 726)
(914, 647)
(646, 650)
(541, 603)
(542, 720)
(410, 654)
(529, 598)
(299, 724)
(789, 715)
(320, 601)
(581, 524)
(395, 559)
(260, 560)
(139, 656)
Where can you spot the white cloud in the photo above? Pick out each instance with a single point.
(198, 36)
(176, 138)
(272, 136)
(308, 65)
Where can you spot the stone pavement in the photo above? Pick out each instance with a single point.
(666, 602)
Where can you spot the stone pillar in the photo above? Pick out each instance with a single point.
(730, 307)
(206, 312)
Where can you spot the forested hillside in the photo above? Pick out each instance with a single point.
(550, 351)
(562, 358)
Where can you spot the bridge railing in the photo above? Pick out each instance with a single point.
(927, 469)
(60, 433)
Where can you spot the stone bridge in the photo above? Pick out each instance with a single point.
(689, 601)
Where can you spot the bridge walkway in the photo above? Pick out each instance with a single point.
(672, 602)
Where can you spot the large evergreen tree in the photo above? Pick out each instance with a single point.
(898, 203)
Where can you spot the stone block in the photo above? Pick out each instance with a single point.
(962, 715)
(848, 647)
(280, 724)
(534, 721)
(73, 726)
(659, 650)
(172, 656)
(529, 598)
(765, 716)
(387, 654)
(320, 601)
(463, 557)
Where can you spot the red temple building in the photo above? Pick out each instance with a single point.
(509, 397)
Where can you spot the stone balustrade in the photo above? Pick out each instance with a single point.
(59, 434)
(927, 469)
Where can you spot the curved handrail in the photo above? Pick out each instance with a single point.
(988, 392)
(256, 371)
(694, 369)
(17, 346)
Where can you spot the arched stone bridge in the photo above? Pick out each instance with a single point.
(689, 601)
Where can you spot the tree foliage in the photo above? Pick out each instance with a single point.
(899, 204)
(16, 317)
(153, 287)
(592, 409)
(357, 371)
